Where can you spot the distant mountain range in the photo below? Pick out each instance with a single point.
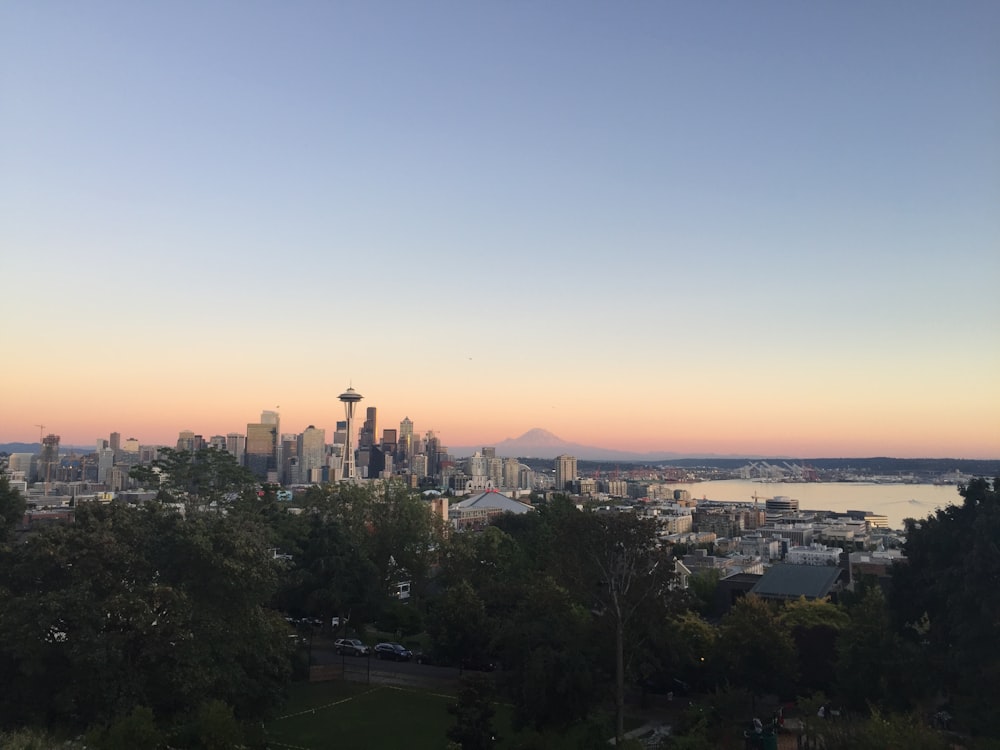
(539, 443)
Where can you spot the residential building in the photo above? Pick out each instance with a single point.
(565, 471)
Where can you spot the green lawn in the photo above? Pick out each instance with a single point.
(348, 715)
(352, 716)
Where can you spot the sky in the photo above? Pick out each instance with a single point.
(767, 228)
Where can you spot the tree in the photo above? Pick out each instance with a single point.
(756, 649)
(458, 626)
(138, 606)
(12, 507)
(545, 648)
(473, 729)
(632, 574)
(137, 729)
(815, 626)
(205, 477)
(945, 603)
(404, 535)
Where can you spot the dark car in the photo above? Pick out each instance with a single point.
(351, 647)
(394, 651)
(421, 657)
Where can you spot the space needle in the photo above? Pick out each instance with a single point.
(350, 397)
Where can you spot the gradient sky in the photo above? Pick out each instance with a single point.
(705, 227)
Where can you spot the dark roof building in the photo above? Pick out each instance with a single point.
(793, 581)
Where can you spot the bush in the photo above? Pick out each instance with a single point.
(138, 729)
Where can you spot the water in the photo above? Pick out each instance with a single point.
(895, 501)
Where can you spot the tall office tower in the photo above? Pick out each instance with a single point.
(350, 399)
(367, 437)
(100, 444)
(340, 433)
(431, 447)
(312, 453)
(565, 471)
(261, 456)
(289, 459)
(131, 446)
(418, 465)
(389, 442)
(48, 459)
(376, 462)
(116, 442)
(406, 447)
(218, 442)
(236, 444)
(489, 452)
(185, 441)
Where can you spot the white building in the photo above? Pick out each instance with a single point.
(814, 554)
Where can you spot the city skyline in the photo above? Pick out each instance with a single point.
(763, 229)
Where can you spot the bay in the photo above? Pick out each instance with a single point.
(895, 501)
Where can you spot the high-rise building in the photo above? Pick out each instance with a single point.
(389, 442)
(236, 444)
(261, 456)
(289, 463)
(350, 399)
(494, 470)
(185, 441)
(312, 453)
(432, 448)
(511, 469)
(48, 459)
(475, 465)
(565, 471)
(368, 430)
(406, 447)
(105, 461)
(116, 442)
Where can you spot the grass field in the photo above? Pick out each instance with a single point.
(351, 716)
(348, 715)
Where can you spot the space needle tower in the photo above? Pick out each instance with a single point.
(350, 397)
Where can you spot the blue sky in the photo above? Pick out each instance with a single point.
(746, 215)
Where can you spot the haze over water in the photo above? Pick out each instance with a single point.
(896, 501)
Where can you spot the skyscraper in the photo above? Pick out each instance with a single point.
(368, 430)
(565, 471)
(48, 459)
(405, 449)
(350, 398)
(261, 455)
(236, 444)
(312, 454)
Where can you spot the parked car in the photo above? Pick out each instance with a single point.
(394, 651)
(351, 647)
(421, 657)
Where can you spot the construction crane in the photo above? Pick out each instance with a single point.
(41, 432)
